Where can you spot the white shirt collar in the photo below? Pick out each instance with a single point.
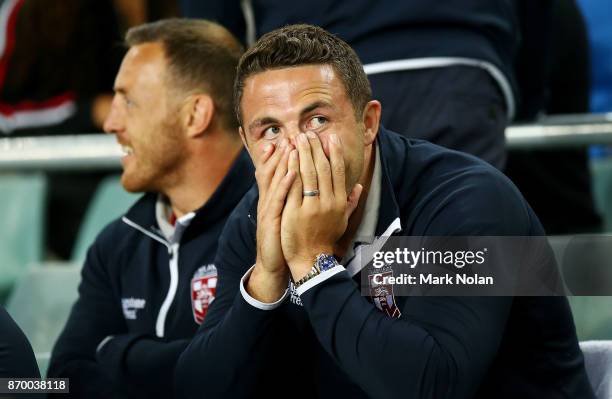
(163, 210)
(367, 228)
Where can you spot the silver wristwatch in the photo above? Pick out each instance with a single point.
(322, 263)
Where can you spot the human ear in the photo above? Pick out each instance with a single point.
(200, 109)
(371, 121)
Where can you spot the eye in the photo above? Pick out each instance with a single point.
(271, 132)
(129, 103)
(316, 123)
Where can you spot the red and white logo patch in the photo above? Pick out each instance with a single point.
(203, 287)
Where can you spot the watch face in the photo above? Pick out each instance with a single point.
(326, 262)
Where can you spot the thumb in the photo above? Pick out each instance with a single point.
(353, 200)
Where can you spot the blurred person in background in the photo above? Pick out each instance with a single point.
(149, 277)
(444, 70)
(456, 73)
(136, 12)
(58, 59)
(555, 79)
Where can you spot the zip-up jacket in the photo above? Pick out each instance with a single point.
(17, 359)
(142, 297)
(16, 355)
(329, 341)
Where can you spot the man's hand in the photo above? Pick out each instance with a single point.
(313, 224)
(269, 278)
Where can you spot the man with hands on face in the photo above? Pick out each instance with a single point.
(289, 319)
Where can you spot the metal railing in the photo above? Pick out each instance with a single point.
(561, 131)
(99, 151)
(74, 152)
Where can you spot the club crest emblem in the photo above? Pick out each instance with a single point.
(203, 287)
(383, 297)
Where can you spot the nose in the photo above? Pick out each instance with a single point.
(114, 120)
(291, 134)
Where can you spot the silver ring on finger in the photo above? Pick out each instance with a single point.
(310, 193)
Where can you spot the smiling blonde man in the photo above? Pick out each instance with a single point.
(150, 277)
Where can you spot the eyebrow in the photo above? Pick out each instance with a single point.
(315, 105)
(267, 120)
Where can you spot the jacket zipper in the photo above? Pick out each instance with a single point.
(160, 325)
(173, 252)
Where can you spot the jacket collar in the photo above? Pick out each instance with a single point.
(225, 198)
(392, 161)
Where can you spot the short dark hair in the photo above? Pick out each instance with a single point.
(201, 55)
(297, 45)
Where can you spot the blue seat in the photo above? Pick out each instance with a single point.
(109, 202)
(592, 315)
(40, 304)
(22, 204)
(601, 178)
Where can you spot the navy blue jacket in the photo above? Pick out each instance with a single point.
(338, 345)
(130, 271)
(386, 30)
(16, 355)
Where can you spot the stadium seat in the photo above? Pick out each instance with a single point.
(591, 313)
(592, 317)
(22, 203)
(601, 175)
(109, 202)
(598, 362)
(41, 303)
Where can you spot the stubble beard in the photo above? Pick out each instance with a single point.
(157, 162)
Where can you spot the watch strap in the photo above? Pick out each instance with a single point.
(322, 263)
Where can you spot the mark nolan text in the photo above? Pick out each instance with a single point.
(430, 279)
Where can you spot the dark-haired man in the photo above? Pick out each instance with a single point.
(149, 278)
(327, 173)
